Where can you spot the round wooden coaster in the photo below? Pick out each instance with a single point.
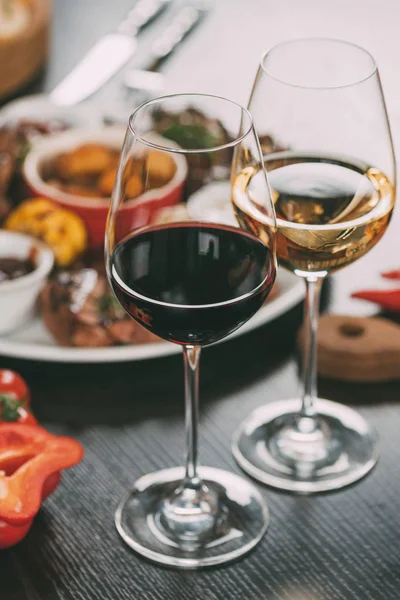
(357, 348)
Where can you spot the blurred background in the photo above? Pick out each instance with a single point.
(221, 57)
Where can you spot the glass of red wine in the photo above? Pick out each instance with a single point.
(183, 269)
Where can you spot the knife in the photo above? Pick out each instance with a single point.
(181, 25)
(107, 56)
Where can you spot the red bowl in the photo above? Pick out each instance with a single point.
(139, 211)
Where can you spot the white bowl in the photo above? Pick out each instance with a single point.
(18, 296)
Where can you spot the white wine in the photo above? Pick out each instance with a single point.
(330, 211)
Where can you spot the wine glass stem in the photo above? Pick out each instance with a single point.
(311, 314)
(191, 514)
(191, 357)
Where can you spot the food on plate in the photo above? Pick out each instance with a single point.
(134, 187)
(26, 131)
(14, 399)
(87, 192)
(106, 181)
(15, 142)
(7, 168)
(90, 170)
(13, 268)
(79, 309)
(160, 167)
(61, 229)
(31, 459)
(84, 162)
(191, 128)
(76, 303)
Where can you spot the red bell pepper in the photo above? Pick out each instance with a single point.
(30, 462)
(387, 299)
(392, 274)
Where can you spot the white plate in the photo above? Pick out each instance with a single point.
(35, 343)
(39, 107)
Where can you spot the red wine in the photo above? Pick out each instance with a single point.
(192, 283)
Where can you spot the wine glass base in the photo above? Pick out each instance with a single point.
(245, 519)
(268, 447)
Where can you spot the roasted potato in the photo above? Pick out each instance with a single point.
(90, 170)
(89, 159)
(133, 187)
(160, 167)
(105, 183)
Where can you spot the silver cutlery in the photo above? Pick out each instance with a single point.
(107, 56)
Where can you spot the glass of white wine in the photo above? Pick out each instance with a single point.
(320, 113)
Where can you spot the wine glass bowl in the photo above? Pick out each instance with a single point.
(192, 278)
(330, 211)
(319, 110)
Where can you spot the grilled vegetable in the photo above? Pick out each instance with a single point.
(61, 229)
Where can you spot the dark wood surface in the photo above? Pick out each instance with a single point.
(343, 545)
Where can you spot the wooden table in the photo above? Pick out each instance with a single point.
(129, 417)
